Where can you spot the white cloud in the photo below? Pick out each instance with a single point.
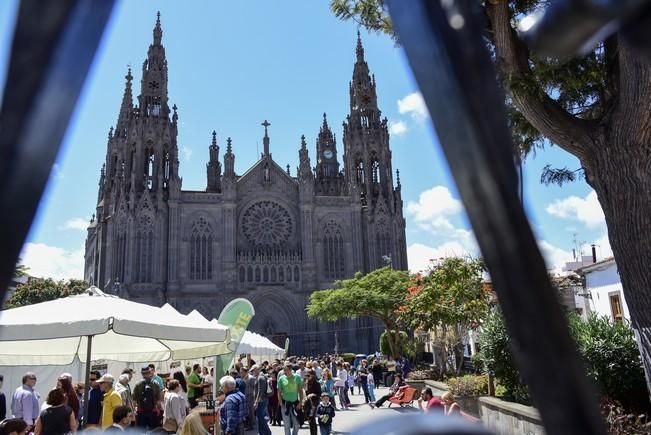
(585, 210)
(53, 262)
(420, 256)
(434, 204)
(187, 153)
(555, 257)
(603, 247)
(414, 105)
(397, 128)
(79, 224)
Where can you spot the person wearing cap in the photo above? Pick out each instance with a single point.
(146, 396)
(112, 400)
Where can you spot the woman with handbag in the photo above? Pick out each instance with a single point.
(173, 407)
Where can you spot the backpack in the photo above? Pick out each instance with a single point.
(147, 401)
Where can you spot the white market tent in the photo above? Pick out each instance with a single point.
(56, 336)
(259, 347)
(57, 331)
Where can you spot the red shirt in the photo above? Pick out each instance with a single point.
(434, 404)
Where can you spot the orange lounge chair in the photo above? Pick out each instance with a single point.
(405, 396)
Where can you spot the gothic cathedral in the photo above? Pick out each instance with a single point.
(264, 235)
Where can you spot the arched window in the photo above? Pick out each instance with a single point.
(297, 276)
(334, 260)
(166, 169)
(242, 274)
(144, 250)
(120, 253)
(289, 274)
(149, 167)
(265, 274)
(359, 172)
(273, 274)
(375, 167)
(383, 245)
(249, 274)
(201, 251)
(281, 274)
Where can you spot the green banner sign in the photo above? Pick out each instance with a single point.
(236, 315)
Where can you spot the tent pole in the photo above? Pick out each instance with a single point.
(87, 381)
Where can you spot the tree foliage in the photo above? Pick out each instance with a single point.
(495, 354)
(451, 293)
(612, 358)
(448, 302)
(385, 346)
(608, 349)
(378, 294)
(21, 269)
(44, 289)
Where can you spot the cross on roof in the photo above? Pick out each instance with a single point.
(265, 124)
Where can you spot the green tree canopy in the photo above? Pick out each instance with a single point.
(44, 289)
(448, 302)
(452, 293)
(378, 294)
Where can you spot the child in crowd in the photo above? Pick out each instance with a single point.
(371, 386)
(325, 412)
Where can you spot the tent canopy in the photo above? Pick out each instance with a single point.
(259, 347)
(56, 331)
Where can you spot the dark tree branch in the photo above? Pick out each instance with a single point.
(546, 115)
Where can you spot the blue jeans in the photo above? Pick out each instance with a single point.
(371, 392)
(261, 416)
(325, 429)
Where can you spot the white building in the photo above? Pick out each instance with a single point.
(603, 291)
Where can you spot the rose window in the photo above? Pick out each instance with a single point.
(266, 224)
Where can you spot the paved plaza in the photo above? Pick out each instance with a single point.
(359, 414)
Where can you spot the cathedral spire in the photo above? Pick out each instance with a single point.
(153, 85)
(363, 98)
(304, 167)
(326, 152)
(127, 105)
(229, 160)
(158, 32)
(214, 168)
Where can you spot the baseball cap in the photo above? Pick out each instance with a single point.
(106, 378)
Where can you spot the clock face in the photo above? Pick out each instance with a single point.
(153, 85)
(327, 154)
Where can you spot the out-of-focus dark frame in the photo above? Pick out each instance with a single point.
(451, 63)
(53, 46)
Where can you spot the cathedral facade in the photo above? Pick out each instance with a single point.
(266, 235)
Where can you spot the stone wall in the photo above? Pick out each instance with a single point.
(507, 418)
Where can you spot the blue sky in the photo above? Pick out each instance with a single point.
(234, 64)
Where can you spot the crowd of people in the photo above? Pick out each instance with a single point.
(252, 396)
